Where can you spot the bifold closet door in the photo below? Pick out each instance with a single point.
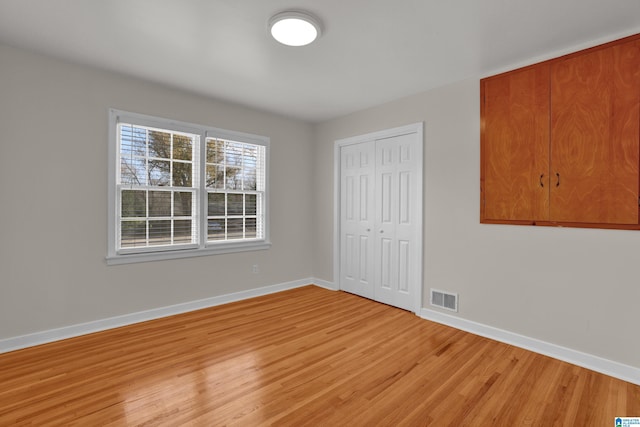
(380, 214)
(398, 213)
(357, 218)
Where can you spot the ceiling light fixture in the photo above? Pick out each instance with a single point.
(294, 27)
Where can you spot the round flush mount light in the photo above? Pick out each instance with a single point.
(294, 28)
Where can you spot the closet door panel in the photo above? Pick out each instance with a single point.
(357, 166)
(397, 221)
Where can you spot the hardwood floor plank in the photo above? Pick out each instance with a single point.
(307, 356)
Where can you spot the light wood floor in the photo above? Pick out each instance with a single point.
(308, 356)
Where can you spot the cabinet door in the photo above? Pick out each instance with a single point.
(515, 146)
(594, 136)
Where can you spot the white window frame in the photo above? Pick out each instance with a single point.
(202, 247)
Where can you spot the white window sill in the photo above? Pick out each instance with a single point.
(214, 249)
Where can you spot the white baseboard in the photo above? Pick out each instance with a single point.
(43, 337)
(324, 284)
(585, 360)
(595, 363)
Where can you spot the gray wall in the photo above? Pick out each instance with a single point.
(577, 288)
(53, 187)
(573, 287)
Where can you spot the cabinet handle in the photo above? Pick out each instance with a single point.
(558, 183)
(541, 183)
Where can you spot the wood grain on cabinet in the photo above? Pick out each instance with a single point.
(560, 140)
(515, 146)
(595, 136)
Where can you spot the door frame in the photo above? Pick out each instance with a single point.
(418, 129)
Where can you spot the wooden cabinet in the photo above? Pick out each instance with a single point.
(594, 135)
(515, 129)
(560, 140)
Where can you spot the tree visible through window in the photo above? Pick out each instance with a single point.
(234, 190)
(157, 187)
(176, 189)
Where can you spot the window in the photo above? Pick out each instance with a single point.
(179, 190)
(157, 188)
(235, 190)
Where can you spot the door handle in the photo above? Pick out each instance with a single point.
(558, 175)
(541, 183)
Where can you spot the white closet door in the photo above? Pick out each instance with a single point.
(379, 220)
(397, 221)
(357, 218)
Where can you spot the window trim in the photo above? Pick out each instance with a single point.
(202, 248)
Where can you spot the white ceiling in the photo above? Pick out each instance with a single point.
(372, 51)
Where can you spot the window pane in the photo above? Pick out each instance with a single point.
(159, 203)
(250, 181)
(216, 204)
(215, 151)
(182, 147)
(159, 172)
(133, 234)
(215, 176)
(234, 228)
(133, 171)
(134, 203)
(250, 204)
(234, 204)
(250, 228)
(133, 141)
(234, 154)
(182, 203)
(250, 153)
(159, 144)
(215, 229)
(181, 174)
(159, 232)
(250, 167)
(182, 231)
(233, 179)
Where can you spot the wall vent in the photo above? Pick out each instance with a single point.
(444, 300)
